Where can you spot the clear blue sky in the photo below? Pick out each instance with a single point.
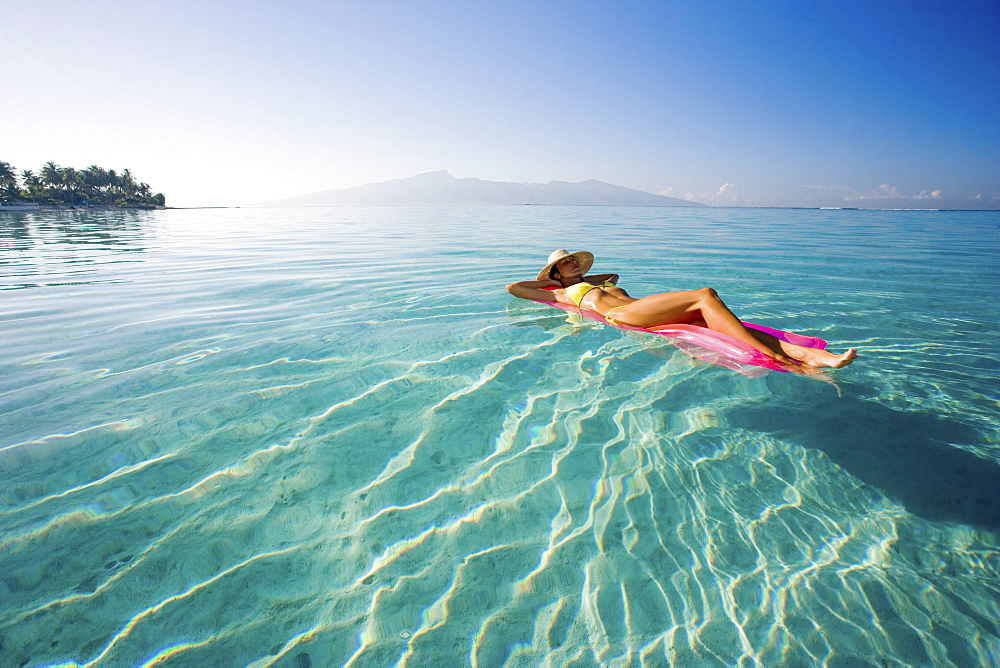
(725, 102)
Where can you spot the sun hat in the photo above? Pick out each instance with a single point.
(585, 258)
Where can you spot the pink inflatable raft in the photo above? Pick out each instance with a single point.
(711, 346)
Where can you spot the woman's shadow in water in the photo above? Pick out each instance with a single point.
(907, 455)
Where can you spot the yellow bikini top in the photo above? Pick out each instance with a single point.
(577, 291)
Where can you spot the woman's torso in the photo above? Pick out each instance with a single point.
(601, 298)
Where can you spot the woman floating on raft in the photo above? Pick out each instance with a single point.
(564, 280)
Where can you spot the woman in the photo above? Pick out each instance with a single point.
(566, 272)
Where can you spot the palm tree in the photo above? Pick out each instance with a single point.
(50, 175)
(94, 183)
(32, 184)
(114, 183)
(51, 178)
(68, 175)
(8, 181)
(129, 186)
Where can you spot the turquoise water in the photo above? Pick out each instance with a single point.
(311, 437)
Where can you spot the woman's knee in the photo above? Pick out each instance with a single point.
(708, 293)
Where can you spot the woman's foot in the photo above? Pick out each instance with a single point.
(845, 359)
(824, 358)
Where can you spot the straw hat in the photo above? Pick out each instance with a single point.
(585, 258)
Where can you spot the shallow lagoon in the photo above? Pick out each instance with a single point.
(323, 436)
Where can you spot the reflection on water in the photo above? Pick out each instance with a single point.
(328, 437)
(80, 227)
(52, 246)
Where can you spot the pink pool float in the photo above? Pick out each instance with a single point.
(711, 346)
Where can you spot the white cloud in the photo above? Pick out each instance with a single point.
(980, 198)
(727, 193)
(884, 191)
(667, 192)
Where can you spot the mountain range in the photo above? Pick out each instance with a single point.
(441, 188)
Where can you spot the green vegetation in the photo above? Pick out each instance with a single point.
(65, 186)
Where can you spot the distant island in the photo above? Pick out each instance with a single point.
(66, 186)
(441, 188)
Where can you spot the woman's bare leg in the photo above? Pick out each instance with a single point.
(686, 307)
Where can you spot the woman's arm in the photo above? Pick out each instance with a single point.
(534, 290)
(597, 279)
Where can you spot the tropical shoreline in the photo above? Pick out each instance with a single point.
(25, 207)
(69, 188)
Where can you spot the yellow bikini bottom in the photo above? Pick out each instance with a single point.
(607, 316)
